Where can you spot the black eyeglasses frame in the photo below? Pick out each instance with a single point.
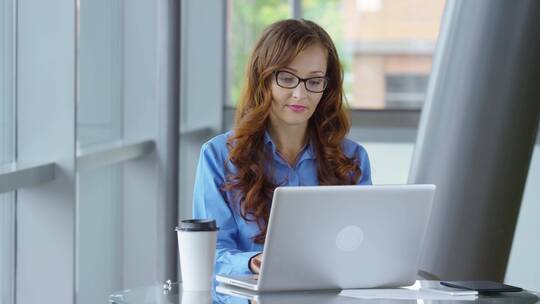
(326, 79)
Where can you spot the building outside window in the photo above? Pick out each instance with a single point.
(386, 47)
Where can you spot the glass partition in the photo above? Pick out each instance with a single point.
(7, 152)
(99, 125)
(6, 82)
(100, 62)
(118, 93)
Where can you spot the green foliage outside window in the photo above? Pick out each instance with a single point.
(248, 19)
(329, 14)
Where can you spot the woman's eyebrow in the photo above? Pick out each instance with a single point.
(296, 71)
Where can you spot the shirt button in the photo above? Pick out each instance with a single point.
(294, 179)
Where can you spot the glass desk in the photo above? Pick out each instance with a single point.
(172, 293)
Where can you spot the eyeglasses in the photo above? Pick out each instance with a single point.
(288, 80)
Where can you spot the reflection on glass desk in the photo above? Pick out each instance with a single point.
(172, 293)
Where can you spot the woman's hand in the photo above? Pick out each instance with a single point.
(255, 263)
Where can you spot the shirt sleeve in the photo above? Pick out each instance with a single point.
(209, 201)
(365, 167)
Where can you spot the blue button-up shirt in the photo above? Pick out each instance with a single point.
(235, 245)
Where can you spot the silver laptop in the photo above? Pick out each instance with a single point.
(232, 294)
(339, 237)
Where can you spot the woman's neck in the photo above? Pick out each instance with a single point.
(289, 140)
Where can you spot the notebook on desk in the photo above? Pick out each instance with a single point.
(339, 237)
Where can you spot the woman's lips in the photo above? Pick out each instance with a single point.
(296, 108)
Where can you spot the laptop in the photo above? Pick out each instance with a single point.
(341, 237)
(232, 294)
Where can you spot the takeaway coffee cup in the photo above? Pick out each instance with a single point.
(196, 297)
(197, 247)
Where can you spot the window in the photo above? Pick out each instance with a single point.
(379, 38)
(405, 90)
(382, 44)
(386, 49)
(6, 83)
(246, 20)
(125, 205)
(7, 207)
(99, 260)
(78, 138)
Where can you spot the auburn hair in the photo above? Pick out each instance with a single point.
(251, 180)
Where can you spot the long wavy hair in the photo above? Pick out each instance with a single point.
(252, 179)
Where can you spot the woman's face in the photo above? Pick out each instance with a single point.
(294, 107)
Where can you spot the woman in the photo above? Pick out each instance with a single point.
(290, 131)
